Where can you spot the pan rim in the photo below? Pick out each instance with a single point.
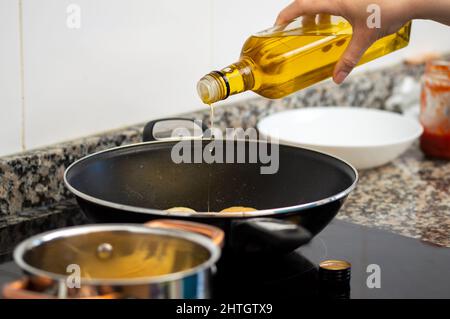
(36, 240)
(258, 213)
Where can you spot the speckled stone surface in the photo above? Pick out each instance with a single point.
(35, 178)
(409, 196)
(15, 228)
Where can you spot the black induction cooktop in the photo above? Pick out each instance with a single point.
(384, 265)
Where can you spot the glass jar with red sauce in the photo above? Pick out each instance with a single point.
(435, 109)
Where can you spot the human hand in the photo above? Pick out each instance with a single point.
(394, 14)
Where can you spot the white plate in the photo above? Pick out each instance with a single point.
(364, 137)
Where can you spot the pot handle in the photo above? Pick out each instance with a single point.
(214, 233)
(167, 128)
(269, 235)
(19, 289)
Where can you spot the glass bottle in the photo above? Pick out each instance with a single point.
(287, 58)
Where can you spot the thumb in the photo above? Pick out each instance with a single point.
(359, 43)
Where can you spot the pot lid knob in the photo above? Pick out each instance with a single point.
(104, 251)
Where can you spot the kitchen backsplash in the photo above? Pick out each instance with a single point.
(35, 178)
(71, 68)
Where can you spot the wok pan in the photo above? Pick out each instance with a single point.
(137, 183)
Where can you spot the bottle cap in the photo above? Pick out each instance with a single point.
(335, 271)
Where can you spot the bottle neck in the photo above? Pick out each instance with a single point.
(218, 85)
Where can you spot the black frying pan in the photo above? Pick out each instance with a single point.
(136, 183)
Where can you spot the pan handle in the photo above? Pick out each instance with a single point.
(269, 235)
(173, 127)
(214, 233)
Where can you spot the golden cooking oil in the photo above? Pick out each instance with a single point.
(211, 119)
(284, 59)
(132, 255)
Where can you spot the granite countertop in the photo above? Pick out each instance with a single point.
(409, 196)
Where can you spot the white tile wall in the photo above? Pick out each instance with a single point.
(10, 105)
(233, 21)
(130, 61)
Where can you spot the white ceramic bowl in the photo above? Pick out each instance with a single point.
(364, 137)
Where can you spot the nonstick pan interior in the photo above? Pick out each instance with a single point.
(145, 176)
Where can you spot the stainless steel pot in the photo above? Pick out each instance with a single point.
(161, 259)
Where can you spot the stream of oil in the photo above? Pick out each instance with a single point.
(211, 125)
(211, 117)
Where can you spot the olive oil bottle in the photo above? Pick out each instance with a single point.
(287, 58)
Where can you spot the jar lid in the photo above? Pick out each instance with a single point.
(337, 271)
(439, 69)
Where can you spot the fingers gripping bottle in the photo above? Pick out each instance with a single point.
(284, 59)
